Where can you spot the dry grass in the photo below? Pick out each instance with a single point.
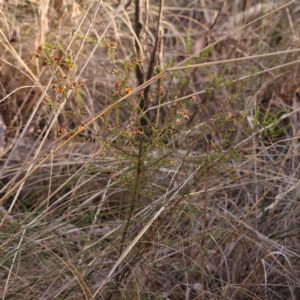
(96, 204)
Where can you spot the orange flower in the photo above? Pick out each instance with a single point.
(113, 45)
(127, 90)
(80, 127)
(60, 90)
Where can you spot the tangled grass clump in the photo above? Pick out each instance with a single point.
(152, 155)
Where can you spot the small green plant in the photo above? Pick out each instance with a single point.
(269, 122)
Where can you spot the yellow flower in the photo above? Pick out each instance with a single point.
(128, 90)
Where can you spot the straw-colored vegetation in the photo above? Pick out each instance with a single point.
(149, 149)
